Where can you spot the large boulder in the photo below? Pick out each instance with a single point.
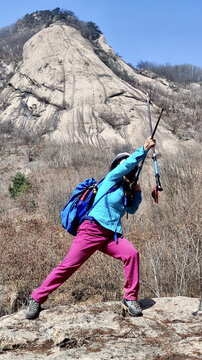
(62, 90)
(167, 330)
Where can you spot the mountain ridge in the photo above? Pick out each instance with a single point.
(64, 91)
(181, 103)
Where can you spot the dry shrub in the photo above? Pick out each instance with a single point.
(32, 247)
(69, 164)
(170, 231)
(166, 235)
(29, 246)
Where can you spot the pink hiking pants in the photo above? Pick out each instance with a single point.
(92, 237)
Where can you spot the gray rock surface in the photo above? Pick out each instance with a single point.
(62, 90)
(167, 330)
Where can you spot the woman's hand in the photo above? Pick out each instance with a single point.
(136, 187)
(149, 143)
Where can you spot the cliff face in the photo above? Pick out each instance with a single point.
(62, 90)
(167, 331)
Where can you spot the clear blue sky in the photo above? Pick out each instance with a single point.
(155, 30)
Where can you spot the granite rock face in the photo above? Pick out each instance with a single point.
(63, 91)
(167, 330)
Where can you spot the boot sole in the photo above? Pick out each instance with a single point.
(32, 317)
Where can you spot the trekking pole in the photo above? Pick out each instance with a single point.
(142, 163)
(159, 118)
(158, 186)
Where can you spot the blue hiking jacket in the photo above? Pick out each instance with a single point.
(110, 209)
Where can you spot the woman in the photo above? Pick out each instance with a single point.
(102, 231)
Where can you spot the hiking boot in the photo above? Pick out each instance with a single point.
(33, 309)
(132, 307)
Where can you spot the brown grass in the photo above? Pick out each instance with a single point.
(166, 235)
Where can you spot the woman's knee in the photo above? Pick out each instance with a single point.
(131, 254)
(134, 253)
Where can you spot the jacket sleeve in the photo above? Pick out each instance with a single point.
(126, 166)
(137, 199)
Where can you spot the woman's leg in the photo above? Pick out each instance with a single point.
(89, 238)
(126, 252)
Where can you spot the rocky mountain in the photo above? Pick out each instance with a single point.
(167, 331)
(64, 91)
(68, 89)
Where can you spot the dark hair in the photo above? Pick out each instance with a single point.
(131, 175)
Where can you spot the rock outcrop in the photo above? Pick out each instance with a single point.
(167, 331)
(62, 90)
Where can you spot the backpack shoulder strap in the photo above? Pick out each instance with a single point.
(112, 189)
